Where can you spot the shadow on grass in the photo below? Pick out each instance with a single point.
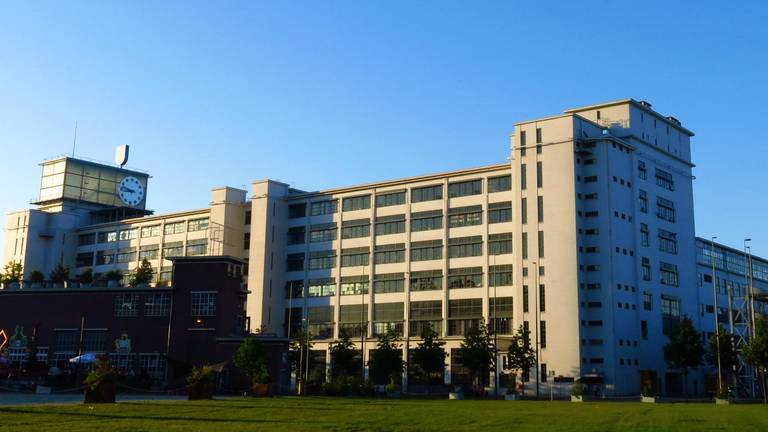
(226, 404)
(134, 417)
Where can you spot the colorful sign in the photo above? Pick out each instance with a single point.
(123, 344)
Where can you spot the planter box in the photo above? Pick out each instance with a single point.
(511, 397)
(260, 390)
(104, 393)
(577, 398)
(200, 392)
(455, 396)
(648, 399)
(719, 401)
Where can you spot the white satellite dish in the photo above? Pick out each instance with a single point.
(121, 155)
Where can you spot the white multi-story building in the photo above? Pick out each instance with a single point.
(585, 236)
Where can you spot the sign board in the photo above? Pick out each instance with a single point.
(121, 155)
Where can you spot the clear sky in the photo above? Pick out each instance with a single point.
(329, 93)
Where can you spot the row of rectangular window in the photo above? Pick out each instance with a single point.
(191, 225)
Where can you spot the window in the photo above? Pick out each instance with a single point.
(150, 231)
(353, 319)
(157, 305)
(427, 250)
(644, 239)
(538, 135)
(665, 209)
(153, 365)
(108, 237)
(465, 247)
(198, 225)
(467, 277)
(464, 314)
(390, 199)
(590, 179)
(388, 316)
(540, 208)
(644, 330)
(669, 275)
(525, 245)
(86, 239)
(174, 228)
(294, 289)
(247, 217)
(543, 342)
(355, 257)
(197, 247)
(126, 305)
(667, 241)
(499, 184)
(425, 314)
(246, 240)
(356, 228)
(646, 265)
(298, 235)
(94, 341)
(499, 212)
(295, 262)
(541, 244)
(465, 188)
(129, 234)
(643, 201)
(388, 254)
(542, 298)
(427, 193)
(524, 210)
(525, 299)
(150, 252)
(84, 259)
(172, 249)
(647, 301)
(322, 232)
(427, 280)
(539, 175)
(322, 260)
(522, 138)
(670, 313)
(356, 203)
(500, 275)
(642, 171)
(321, 287)
(388, 283)
(465, 216)
(426, 220)
(354, 285)
(523, 177)
(500, 244)
(126, 255)
(500, 314)
(394, 224)
(297, 210)
(320, 321)
(320, 208)
(203, 303)
(665, 179)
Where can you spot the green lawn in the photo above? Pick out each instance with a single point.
(339, 414)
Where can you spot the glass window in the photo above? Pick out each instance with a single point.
(197, 247)
(465, 247)
(86, 239)
(297, 210)
(500, 244)
(646, 266)
(500, 275)
(150, 231)
(387, 254)
(324, 207)
(388, 283)
(354, 257)
(357, 230)
(665, 179)
(465, 216)
(465, 188)
(642, 171)
(174, 227)
(203, 303)
(499, 212)
(427, 280)
(322, 233)
(84, 259)
(157, 305)
(295, 262)
(322, 260)
(644, 235)
(426, 221)
(298, 235)
(665, 209)
(427, 250)
(357, 203)
(499, 184)
(667, 241)
(386, 225)
(643, 201)
(198, 224)
(669, 275)
(173, 249)
(427, 193)
(354, 285)
(125, 256)
(390, 199)
(322, 287)
(126, 305)
(467, 277)
(105, 257)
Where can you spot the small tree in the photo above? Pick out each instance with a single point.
(476, 353)
(59, 274)
(200, 383)
(387, 361)
(36, 277)
(142, 275)
(12, 272)
(684, 349)
(728, 356)
(251, 359)
(114, 275)
(756, 351)
(343, 357)
(521, 356)
(429, 355)
(298, 354)
(86, 277)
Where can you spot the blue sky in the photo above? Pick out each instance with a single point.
(325, 94)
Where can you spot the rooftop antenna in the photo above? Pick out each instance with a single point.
(74, 141)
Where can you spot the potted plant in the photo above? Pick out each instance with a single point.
(59, 276)
(391, 388)
(113, 278)
(648, 394)
(36, 278)
(142, 276)
(11, 276)
(200, 383)
(577, 392)
(100, 383)
(251, 359)
(722, 397)
(86, 278)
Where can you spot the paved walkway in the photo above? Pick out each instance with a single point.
(67, 398)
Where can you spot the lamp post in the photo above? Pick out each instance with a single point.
(717, 321)
(363, 328)
(551, 373)
(495, 333)
(536, 312)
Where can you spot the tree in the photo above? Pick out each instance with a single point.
(142, 275)
(59, 274)
(11, 272)
(298, 355)
(252, 361)
(521, 356)
(429, 355)
(684, 349)
(386, 362)
(476, 353)
(728, 357)
(756, 351)
(343, 357)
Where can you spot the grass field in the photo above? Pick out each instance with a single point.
(337, 414)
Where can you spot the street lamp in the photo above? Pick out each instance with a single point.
(717, 321)
(536, 329)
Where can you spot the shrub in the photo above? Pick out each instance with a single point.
(100, 375)
(114, 275)
(59, 274)
(649, 391)
(722, 393)
(36, 276)
(251, 359)
(86, 276)
(142, 275)
(202, 375)
(578, 389)
(11, 272)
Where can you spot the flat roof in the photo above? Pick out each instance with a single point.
(637, 104)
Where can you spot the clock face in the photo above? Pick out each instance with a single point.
(130, 190)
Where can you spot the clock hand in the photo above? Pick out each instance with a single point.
(125, 189)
